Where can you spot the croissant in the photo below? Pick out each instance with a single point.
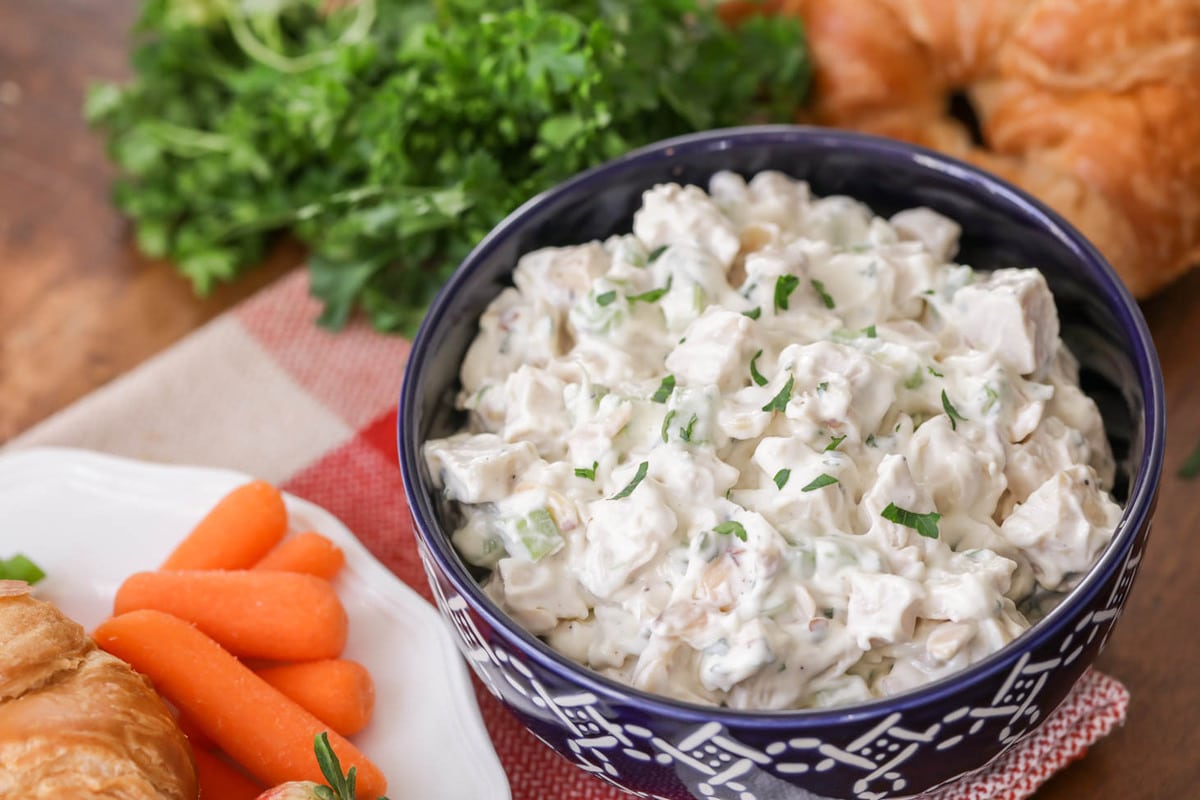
(76, 722)
(1093, 106)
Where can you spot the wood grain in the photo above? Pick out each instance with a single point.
(79, 306)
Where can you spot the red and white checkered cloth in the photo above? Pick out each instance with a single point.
(261, 389)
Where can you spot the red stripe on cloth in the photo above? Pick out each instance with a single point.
(355, 373)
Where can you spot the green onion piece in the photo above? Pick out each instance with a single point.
(924, 524)
(607, 298)
(951, 412)
(915, 380)
(784, 286)
(667, 423)
(781, 477)
(731, 528)
(20, 568)
(652, 296)
(819, 288)
(992, 397)
(753, 313)
(870, 332)
(539, 534)
(655, 253)
(664, 389)
(686, 433)
(587, 472)
(833, 443)
(824, 479)
(779, 402)
(1191, 465)
(755, 375)
(633, 484)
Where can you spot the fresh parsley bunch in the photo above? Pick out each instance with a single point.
(391, 135)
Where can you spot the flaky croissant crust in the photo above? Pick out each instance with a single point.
(1091, 105)
(76, 722)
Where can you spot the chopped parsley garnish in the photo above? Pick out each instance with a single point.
(686, 433)
(992, 397)
(823, 386)
(870, 440)
(607, 298)
(784, 286)
(1191, 465)
(935, 373)
(779, 402)
(753, 313)
(587, 472)
(20, 568)
(655, 253)
(755, 375)
(731, 528)
(664, 389)
(822, 480)
(870, 331)
(652, 296)
(951, 412)
(929, 292)
(781, 477)
(819, 288)
(924, 524)
(633, 484)
(667, 423)
(834, 442)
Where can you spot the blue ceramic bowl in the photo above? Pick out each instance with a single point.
(895, 747)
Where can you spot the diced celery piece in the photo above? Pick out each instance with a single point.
(538, 533)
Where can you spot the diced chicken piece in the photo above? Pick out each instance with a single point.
(1080, 413)
(625, 534)
(770, 197)
(535, 411)
(960, 474)
(938, 234)
(1063, 526)
(1010, 314)
(674, 214)
(714, 350)
(743, 653)
(839, 387)
(882, 608)
(958, 596)
(478, 468)
(512, 332)
(560, 275)
(538, 596)
(1051, 448)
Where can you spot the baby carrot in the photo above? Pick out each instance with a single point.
(340, 693)
(305, 552)
(252, 721)
(221, 781)
(195, 736)
(239, 530)
(283, 616)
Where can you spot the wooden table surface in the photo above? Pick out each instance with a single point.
(79, 306)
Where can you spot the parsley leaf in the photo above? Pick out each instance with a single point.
(731, 528)
(869, 331)
(822, 480)
(781, 477)
(755, 375)
(664, 389)
(935, 373)
(992, 397)
(924, 524)
(779, 402)
(951, 412)
(819, 288)
(667, 423)
(607, 298)
(655, 253)
(833, 443)
(784, 286)
(20, 568)
(586, 472)
(1191, 465)
(633, 484)
(753, 313)
(686, 433)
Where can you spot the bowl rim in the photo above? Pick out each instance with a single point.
(1136, 514)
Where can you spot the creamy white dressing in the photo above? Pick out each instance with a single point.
(772, 451)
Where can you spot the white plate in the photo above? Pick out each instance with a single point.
(90, 520)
